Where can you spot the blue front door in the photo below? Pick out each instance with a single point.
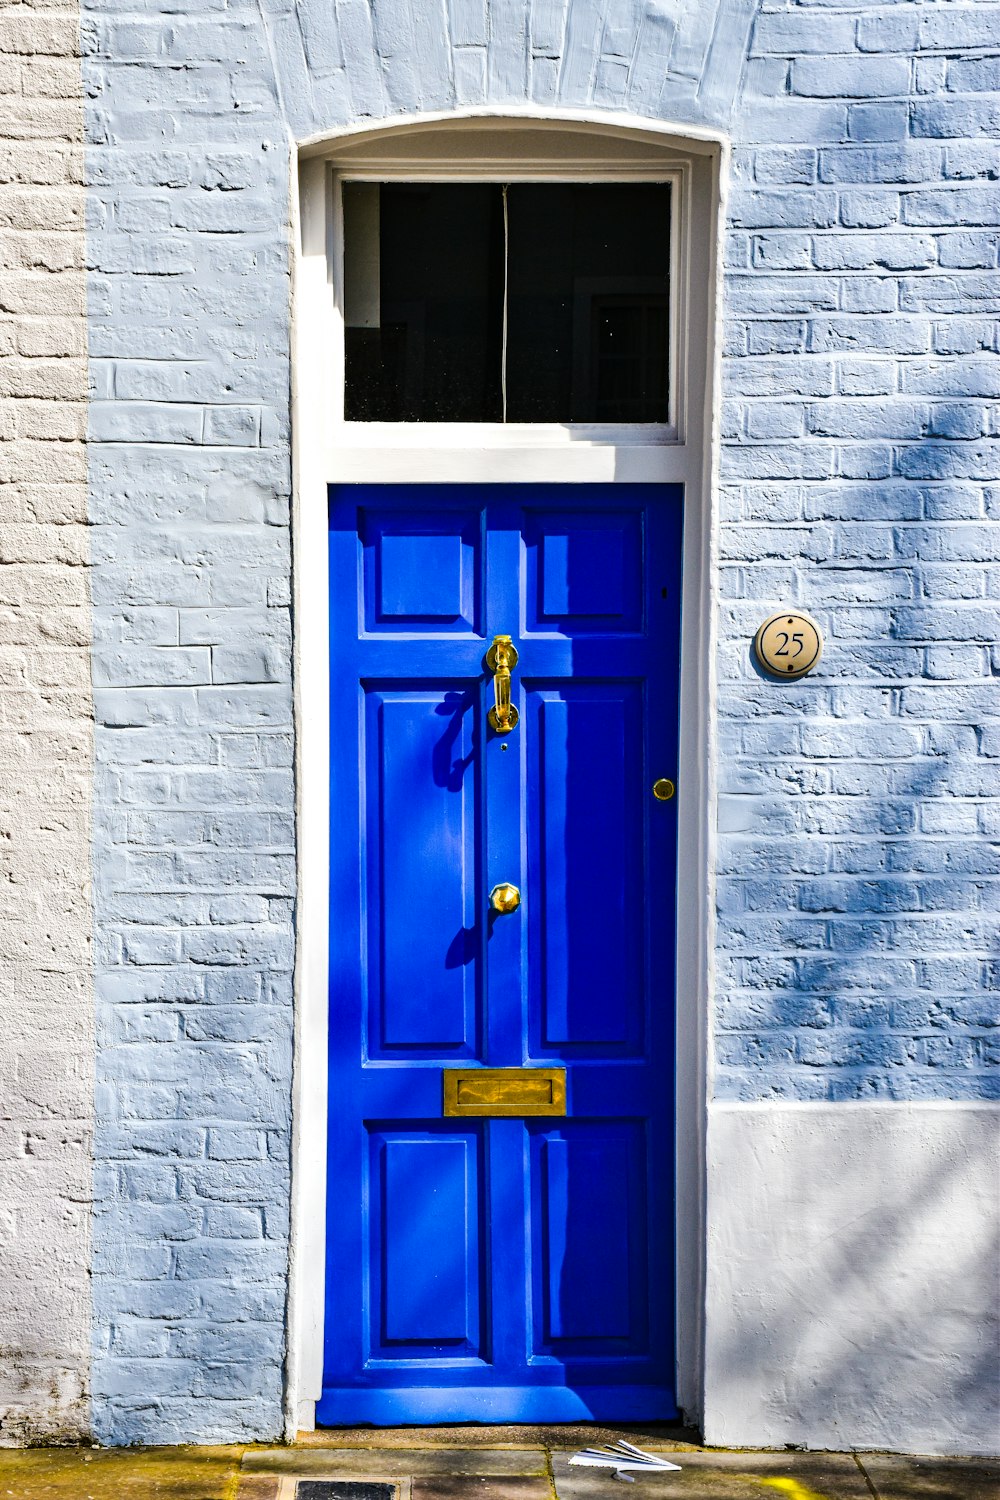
(498, 1263)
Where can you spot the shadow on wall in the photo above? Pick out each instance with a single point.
(855, 1297)
(852, 1261)
(857, 927)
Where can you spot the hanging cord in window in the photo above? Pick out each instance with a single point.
(503, 333)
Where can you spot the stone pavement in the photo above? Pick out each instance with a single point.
(493, 1463)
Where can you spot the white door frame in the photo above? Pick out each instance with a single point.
(502, 145)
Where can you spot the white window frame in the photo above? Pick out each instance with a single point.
(429, 435)
(521, 145)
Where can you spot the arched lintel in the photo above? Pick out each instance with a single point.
(528, 136)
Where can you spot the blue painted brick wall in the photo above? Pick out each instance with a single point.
(857, 877)
(194, 810)
(858, 899)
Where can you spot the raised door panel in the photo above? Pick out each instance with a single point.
(584, 571)
(590, 1273)
(424, 1225)
(421, 571)
(423, 930)
(584, 823)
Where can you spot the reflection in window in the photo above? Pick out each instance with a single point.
(538, 302)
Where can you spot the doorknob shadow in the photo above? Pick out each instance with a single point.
(463, 948)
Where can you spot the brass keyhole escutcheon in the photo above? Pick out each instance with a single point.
(505, 898)
(663, 789)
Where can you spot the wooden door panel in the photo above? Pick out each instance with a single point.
(422, 571)
(589, 1242)
(424, 960)
(424, 1244)
(584, 570)
(584, 907)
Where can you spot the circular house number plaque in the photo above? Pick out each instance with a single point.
(788, 644)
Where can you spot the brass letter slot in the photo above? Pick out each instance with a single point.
(505, 1091)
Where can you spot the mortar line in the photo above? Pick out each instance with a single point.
(867, 1478)
(232, 1488)
(550, 1471)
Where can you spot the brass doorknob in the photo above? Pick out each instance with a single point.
(505, 898)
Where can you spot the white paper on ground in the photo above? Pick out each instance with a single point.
(625, 1456)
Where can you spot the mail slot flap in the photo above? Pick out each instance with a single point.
(504, 1091)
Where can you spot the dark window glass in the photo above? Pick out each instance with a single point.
(423, 293)
(587, 302)
(575, 276)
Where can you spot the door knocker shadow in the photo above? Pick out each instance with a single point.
(449, 770)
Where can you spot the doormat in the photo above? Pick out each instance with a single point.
(344, 1489)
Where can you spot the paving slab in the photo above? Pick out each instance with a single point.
(723, 1476)
(898, 1478)
(258, 1487)
(395, 1463)
(118, 1473)
(459, 1487)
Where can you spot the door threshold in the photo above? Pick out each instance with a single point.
(501, 1435)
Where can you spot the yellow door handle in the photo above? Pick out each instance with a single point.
(505, 898)
(500, 658)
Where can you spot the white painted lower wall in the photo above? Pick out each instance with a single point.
(853, 1277)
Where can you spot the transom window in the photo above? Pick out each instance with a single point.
(524, 302)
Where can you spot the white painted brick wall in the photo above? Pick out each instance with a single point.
(46, 740)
